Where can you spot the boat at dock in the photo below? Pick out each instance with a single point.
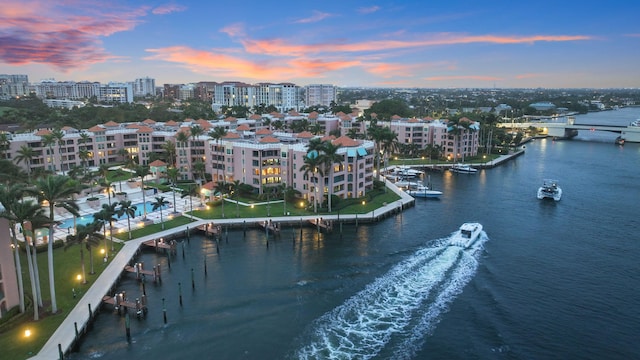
(466, 235)
(463, 169)
(422, 191)
(550, 190)
(405, 172)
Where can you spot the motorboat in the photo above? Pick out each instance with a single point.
(466, 235)
(463, 168)
(422, 191)
(405, 172)
(550, 190)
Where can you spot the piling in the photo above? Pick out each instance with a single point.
(193, 282)
(183, 249)
(60, 353)
(205, 266)
(164, 311)
(75, 327)
(127, 326)
(180, 293)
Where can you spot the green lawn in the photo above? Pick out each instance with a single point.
(13, 342)
(152, 229)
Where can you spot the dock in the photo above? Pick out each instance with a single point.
(270, 226)
(121, 303)
(322, 224)
(141, 273)
(170, 246)
(210, 229)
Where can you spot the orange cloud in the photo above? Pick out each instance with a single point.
(230, 66)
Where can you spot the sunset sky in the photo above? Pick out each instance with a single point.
(424, 43)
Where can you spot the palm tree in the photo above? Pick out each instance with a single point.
(109, 212)
(55, 190)
(217, 134)
(169, 148)
(159, 204)
(142, 171)
(84, 139)
(172, 174)
(31, 212)
(190, 193)
(222, 188)
(199, 169)
(48, 140)
(58, 137)
(4, 145)
(235, 190)
(127, 209)
(312, 165)
(26, 154)
(85, 236)
(330, 157)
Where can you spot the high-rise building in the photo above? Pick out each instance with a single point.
(13, 86)
(320, 94)
(144, 87)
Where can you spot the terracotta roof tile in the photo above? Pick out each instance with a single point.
(264, 131)
(158, 163)
(148, 121)
(112, 124)
(269, 139)
(144, 129)
(43, 132)
(96, 128)
(231, 135)
(305, 135)
(243, 127)
(255, 117)
(345, 141)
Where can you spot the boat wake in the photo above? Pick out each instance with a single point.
(398, 310)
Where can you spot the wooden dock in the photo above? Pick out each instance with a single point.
(170, 246)
(211, 229)
(321, 224)
(270, 226)
(121, 303)
(141, 273)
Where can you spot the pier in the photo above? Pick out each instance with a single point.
(121, 303)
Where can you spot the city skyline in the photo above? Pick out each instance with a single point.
(369, 44)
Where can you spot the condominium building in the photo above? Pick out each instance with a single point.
(320, 94)
(144, 87)
(9, 296)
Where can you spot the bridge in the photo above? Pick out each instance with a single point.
(569, 129)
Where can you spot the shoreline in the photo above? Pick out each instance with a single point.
(78, 322)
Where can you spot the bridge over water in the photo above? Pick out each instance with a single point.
(569, 129)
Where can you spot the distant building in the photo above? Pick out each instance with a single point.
(320, 94)
(144, 87)
(543, 106)
(12, 86)
(63, 103)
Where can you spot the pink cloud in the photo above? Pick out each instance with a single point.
(528, 76)
(211, 63)
(64, 36)
(168, 9)
(280, 46)
(317, 16)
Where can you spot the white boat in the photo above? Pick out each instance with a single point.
(466, 235)
(405, 172)
(422, 191)
(463, 168)
(550, 190)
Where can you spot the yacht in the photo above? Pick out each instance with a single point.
(422, 191)
(463, 168)
(466, 235)
(405, 172)
(550, 190)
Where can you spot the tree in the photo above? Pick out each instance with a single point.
(85, 236)
(26, 155)
(54, 190)
(199, 169)
(223, 189)
(58, 137)
(312, 166)
(172, 174)
(329, 158)
(142, 171)
(108, 215)
(160, 203)
(217, 134)
(9, 198)
(169, 148)
(127, 209)
(235, 190)
(4, 145)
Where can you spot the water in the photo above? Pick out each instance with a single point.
(549, 280)
(87, 219)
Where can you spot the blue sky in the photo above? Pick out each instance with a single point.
(425, 43)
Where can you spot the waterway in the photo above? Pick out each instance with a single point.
(548, 280)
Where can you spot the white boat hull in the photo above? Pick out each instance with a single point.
(466, 235)
(424, 193)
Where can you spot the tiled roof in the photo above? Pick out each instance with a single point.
(264, 131)
(345, 141)
(158, 163)
(243, 127)
(269, 139)
(305, 135)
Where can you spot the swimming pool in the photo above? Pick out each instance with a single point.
(87, 219)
